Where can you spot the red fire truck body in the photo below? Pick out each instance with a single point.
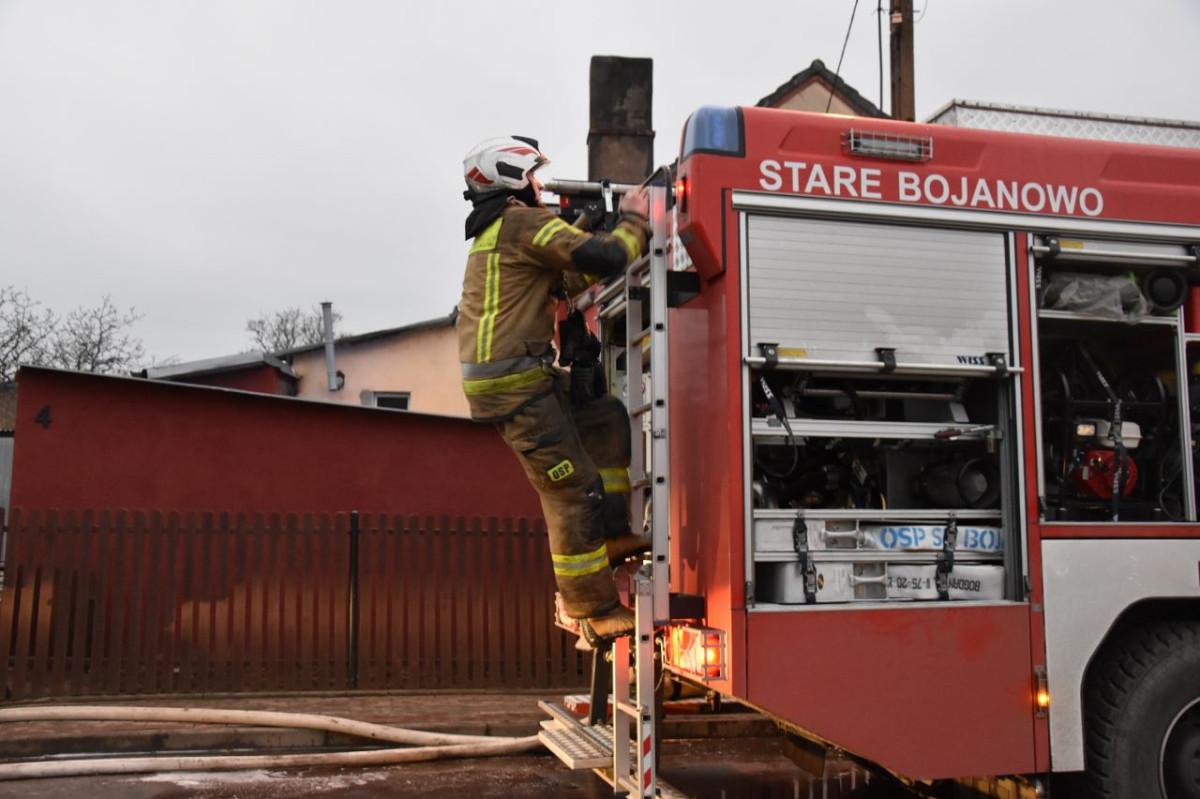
(872, 316)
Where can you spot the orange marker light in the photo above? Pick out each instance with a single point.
(1041, 696)
(696, 652)
(681, 194)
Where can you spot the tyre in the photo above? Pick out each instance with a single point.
(1142, 715)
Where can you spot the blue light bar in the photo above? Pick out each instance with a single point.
(714, 129)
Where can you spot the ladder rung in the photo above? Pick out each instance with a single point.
(612, 311)
(642, 264)
(638, 410)
(611, 291)
(641, 482)
(629, 710)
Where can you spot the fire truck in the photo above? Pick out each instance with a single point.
(915, 411)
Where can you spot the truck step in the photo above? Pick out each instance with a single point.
(575, 744)
(581, 747)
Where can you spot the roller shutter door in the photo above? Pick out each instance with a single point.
(838, 290)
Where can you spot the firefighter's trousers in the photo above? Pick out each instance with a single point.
(570, 455)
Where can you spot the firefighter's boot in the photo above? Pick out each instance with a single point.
(599, 631)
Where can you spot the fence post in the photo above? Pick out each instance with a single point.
(352, 605)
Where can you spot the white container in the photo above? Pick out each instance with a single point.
(783, 583)
(987, 539)
(965, 582)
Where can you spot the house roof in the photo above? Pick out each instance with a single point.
(1072, 124)
(817, 71)
(441, 321)
(171, 385)
(225, 363)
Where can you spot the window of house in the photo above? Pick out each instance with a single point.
(396, 400)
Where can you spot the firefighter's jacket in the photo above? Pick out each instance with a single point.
(516, 271)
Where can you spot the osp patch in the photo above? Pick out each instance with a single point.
(561, 471)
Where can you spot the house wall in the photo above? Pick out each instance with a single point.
(129, 443)
(814, 97)
(422, 363)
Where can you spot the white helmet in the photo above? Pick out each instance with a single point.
(502, 164)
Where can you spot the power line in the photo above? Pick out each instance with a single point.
(838, 71)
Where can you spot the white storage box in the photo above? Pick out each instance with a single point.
(965, 582)
(783, 583)
(838, 581)
(926, 537)
(775, 536)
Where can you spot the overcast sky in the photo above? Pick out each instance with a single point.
(210, 160)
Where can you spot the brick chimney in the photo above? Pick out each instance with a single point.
(621, 134)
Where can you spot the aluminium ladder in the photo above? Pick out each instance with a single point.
(629, 746)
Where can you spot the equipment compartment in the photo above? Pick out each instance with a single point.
(878, 488)
(1109, 352)
(881, 419)
(821, 442)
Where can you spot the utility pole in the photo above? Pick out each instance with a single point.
(904, 105)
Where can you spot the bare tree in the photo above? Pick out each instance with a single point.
(25, 331)
(288, 329)
(97, 340)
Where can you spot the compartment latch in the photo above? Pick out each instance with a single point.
(999, 362)
(888, 356)
(945, 559)
(807, 567)
(770, 353)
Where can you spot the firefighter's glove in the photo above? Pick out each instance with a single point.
(636, 202)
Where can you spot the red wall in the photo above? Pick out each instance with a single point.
(263, 378)
(132, 443)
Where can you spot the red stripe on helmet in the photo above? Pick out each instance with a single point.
(478, 177)
(519, 151)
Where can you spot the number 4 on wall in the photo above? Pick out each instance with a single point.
(43, 417)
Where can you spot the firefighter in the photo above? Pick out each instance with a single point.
(522, 260)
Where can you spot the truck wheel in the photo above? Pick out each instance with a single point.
(1142, 715)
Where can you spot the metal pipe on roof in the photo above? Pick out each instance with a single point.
(331, 373)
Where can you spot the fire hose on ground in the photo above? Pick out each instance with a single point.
(423, 746)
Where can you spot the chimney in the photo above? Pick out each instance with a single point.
(333, 378)
(621, 133)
